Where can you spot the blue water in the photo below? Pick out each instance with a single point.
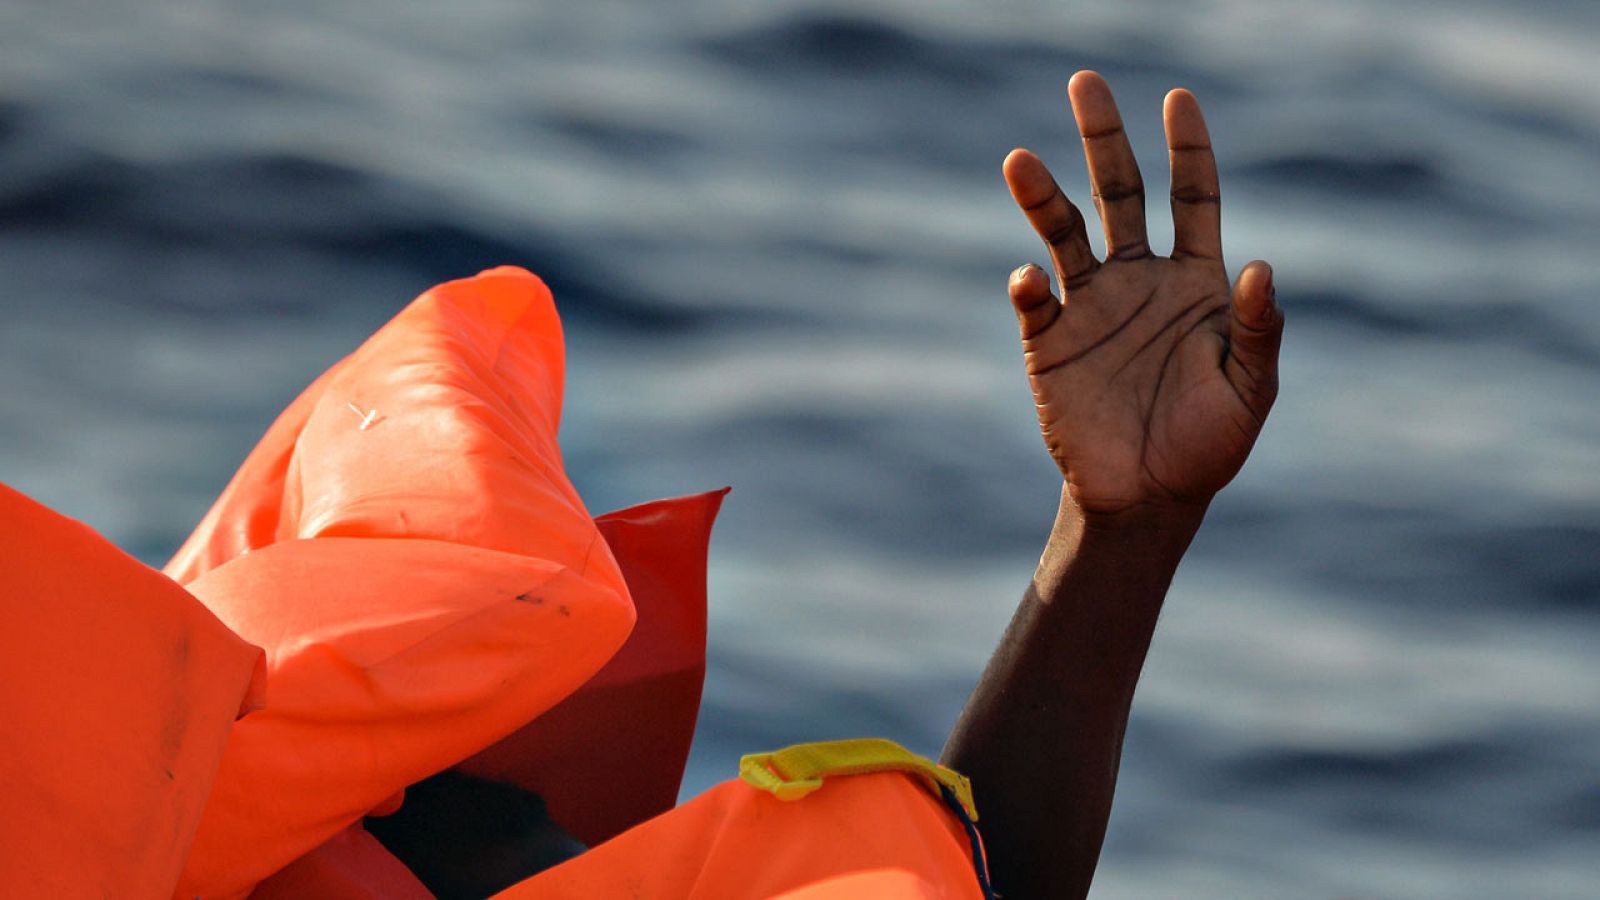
(779, 239)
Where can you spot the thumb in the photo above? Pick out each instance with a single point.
(1254, 334)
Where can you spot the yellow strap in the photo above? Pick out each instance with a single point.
(793, 772)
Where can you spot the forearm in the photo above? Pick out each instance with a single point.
(1041, 736)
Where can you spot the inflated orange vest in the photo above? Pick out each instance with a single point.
(350, 866)
(117, 691)
(608, 757)
(852, 820)
(612, 755)
(430, 592)
(406, 547)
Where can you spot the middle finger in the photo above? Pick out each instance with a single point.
(1113, 171)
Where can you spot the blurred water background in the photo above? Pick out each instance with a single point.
(779, 239)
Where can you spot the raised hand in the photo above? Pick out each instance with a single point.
(1151, 377)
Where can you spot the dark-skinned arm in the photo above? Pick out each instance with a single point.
(1041, 737)
(1152, 379)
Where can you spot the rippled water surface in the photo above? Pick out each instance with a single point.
(779, 240)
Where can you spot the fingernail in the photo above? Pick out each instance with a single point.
(1021, 271)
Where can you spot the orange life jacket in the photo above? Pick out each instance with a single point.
(350, 866)
(606, 758)
(431, 593)
(406, 547)
(864, 821)
(612, 755)
(117, 691)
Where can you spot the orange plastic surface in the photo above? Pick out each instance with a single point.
(350, 866)
(406, 547)
(117, 691)
(861, 837)
(612, 755)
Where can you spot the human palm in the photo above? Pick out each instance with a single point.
(1151, 377)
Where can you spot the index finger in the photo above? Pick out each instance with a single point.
(1053, 216)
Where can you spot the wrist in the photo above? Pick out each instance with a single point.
(1152, 536)
(1161, 519)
